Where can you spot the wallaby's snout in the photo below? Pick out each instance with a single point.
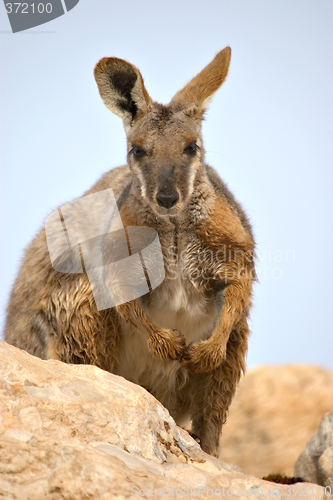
(167, 196)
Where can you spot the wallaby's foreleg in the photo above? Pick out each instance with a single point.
(209, 354)
(163, 343)
(217, 389)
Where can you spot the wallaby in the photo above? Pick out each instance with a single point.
(185, 341)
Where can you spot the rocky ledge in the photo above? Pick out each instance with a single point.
(76, 432)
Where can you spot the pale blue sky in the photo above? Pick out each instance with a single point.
(268, 132)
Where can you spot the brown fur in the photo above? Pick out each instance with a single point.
(282, 479)
(186, 340)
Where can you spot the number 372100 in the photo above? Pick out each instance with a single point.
(25, 8)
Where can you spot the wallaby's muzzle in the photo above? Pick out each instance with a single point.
(167, 196)
(166, 199)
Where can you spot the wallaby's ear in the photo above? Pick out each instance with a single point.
(122, 89)
(198, 91)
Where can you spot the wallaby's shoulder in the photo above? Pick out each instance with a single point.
(223, 191)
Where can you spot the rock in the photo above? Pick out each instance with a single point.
(315, 463)
(72, 432)
(275, 411)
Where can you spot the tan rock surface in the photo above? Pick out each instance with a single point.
(275, 411)
(75, 432)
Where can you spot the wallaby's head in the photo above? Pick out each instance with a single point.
(165, 151)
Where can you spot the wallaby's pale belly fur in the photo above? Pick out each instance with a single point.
(186, 340)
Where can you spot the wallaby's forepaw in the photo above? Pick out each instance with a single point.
(202, 357)
(167, 344)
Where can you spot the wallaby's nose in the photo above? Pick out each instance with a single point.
(167, 200)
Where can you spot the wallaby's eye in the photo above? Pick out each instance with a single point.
(138, 152)
(191, 149)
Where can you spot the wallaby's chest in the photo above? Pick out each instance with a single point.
(176, 304)
(181, 302)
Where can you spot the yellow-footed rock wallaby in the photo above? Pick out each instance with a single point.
(185, 340)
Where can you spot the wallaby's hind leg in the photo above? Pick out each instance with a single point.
(217, 389)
